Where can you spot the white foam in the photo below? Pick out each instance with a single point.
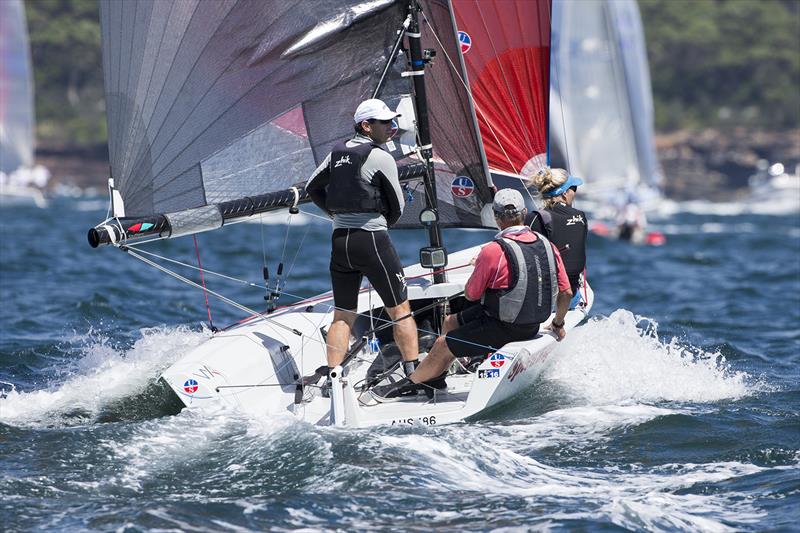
(579, 424)
(102, 375)
(480, 459)
(620, 359)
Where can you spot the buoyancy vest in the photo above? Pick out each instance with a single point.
(533, 283)
(347, 191)
(565, 225)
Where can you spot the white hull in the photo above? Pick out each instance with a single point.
(255, 366)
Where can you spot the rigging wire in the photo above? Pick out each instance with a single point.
(203, 280)
(194, 284)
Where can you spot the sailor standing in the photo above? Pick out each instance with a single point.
(357, 185)
(518, 281)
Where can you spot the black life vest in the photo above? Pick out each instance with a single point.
(346, 191)
(568, 229)
(533, 285)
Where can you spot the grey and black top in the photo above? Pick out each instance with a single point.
(379, 169)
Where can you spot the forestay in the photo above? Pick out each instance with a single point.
(212, 104)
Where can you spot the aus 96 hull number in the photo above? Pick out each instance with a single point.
(424, 420)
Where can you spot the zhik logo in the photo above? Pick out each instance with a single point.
(577, 219)
(344, 160)
(401, 278)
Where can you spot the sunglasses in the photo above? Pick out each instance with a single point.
(374, 120)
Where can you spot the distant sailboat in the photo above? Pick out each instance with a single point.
(602, 105)
(20, 180)
(601, 113)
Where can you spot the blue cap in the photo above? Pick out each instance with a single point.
(572, 181)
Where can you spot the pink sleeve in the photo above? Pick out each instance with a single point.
(485, 270)
(563, 280)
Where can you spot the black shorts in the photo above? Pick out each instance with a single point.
(478, 333)
(357, 252)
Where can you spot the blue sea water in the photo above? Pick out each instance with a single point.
(674, 408)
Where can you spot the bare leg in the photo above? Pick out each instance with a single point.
(450, 323)
(435, 364)
(405, 331)
(339, 336)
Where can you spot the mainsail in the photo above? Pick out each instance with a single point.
(506, 48)
(602, 110)
(216, 109)
(16, 89)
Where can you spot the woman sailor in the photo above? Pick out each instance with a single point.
(560, 222)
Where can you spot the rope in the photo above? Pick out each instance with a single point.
(203, 280)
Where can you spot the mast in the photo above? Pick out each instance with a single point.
(418, 62)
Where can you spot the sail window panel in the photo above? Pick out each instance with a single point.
(127, 29)
(244, 169)
(112, 34)
(137, 107)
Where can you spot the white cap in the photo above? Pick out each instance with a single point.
(508, 200)
(373, 108)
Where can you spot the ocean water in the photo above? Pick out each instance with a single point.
(675, 408)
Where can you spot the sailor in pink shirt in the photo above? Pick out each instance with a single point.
(519, 280)
(491, 266)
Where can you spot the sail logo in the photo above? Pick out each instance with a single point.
(577, 219)
(190, 386)
(465, 40)
(142, 226)
(497, 360)
(462, 187)
(344, 160)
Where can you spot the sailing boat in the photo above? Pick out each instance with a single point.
(218, 110)
(20, 181)
(602, 109)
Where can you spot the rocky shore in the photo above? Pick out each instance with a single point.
(708, 164)
(716, 166)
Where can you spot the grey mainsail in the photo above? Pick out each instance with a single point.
(215, 102)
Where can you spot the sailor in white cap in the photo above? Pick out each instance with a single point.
(518, 281)
(357, 185)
